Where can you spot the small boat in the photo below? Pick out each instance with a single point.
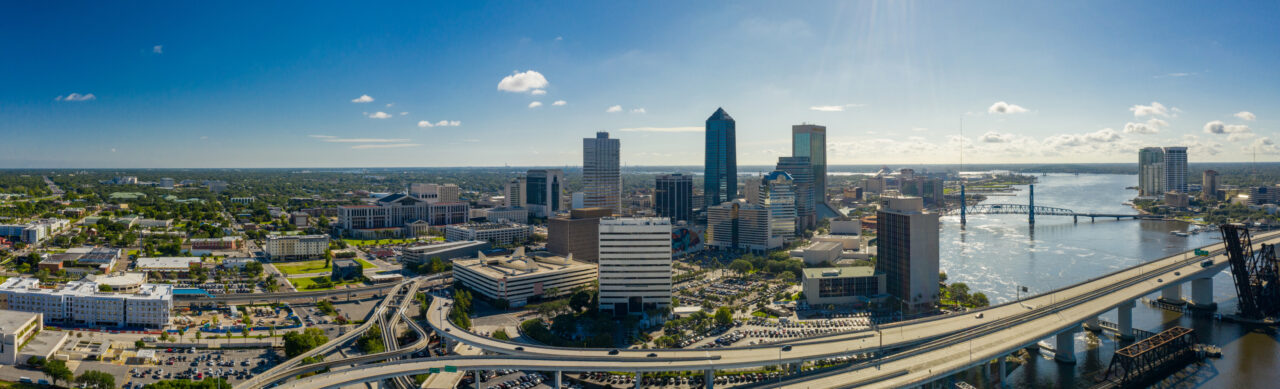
(1178, 233)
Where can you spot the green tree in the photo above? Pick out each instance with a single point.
(724, 316)
(501, 334)
(979, 300)
(57, 371)
(94, 379)
(741, 266)
(297, 343)
(580, 300)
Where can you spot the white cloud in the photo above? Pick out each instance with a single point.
(538, 92)
(559, 103)
(662, 129)
(638, 110)
(1218, 127)
(1001, 107)
(442, 123)
(833, 108)
(389, 105)
(1105, 135)
(388, 146)
(158, 49)
(995, 137)
(522, 82)
(322, 136)
(1155, 109)
(535, 104)
(1263, 145)
(403, 113)
(379, 115)
(334, 139)
(77, 97)
(614, 109)
(1152, 126)
(559, 38)
(362, 99)
(113, 149)
(1246, 115)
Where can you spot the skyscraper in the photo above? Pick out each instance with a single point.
(738, 225)
(810, 140)
(1151, 171)
(544, 191)
(1175, 169)
(908, 252)
(778, 194)
(1209, 185)
(601, 173)
(635, 265)
(673, 197)
(802, 175)
(515, 192)
(721, 159)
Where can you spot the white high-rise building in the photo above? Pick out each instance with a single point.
(1175, 169)
(908, 252)
(635, 264)
(515, 193)
(778, 194)
(601, 172)
(436, 193)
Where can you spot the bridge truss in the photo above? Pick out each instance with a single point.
(1012, 209)
(1150, 358)
(1256, 273)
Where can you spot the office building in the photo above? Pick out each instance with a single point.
(180, 266)
(601, 172)
(801, 172)
(721, 174)
(514, 192)
(1175, 169)
(289, 247)
(520, 277)
(16, 328)
(446, 251)
(436, 193)
(33, 232)
(778, 195)
(216, 186)
(346, 269)
(1151, 176)
(166, 183)
(750, 189)
(223, 243)
(393, 214)
(635, 265)
(81, 303)
(507, 214)
(810, 140)
(1209, 185)
(1177, 199)
(673, 197)
(577, 234)
(842, 285)
(739, 226)
(579, 200)
(496, 233)
(544, 192)
(908, 252)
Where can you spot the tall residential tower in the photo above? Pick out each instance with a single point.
(601, 172)
(1151, 171)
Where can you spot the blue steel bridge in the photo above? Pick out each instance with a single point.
(1032, 210)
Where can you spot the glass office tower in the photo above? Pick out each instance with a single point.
(721, 160)
(810, 140)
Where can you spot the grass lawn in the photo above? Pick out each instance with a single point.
(316, 266)
(313, 283)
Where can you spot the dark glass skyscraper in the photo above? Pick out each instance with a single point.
(722, 159)
(809, 140)
(673, 197)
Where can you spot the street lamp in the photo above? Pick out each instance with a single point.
(780, 368)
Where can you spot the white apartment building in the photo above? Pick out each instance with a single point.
(283, 247)
(498, 233)
(635, 264)
(436, 193)
(34, 232)
(519, 277)
(81, 303)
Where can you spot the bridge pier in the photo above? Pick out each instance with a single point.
(1124, 312)
(709, 378)
(1065, 349)
(1003, 373)
(1172, 294)
(1075, 219)
(559, 375)
(639, 379)
(1202, 294)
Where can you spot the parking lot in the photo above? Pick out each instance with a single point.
(233, 365)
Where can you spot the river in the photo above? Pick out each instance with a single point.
(996, 254)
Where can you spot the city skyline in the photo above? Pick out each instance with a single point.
(433, 84)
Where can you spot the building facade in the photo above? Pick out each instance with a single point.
(806, 195)
(544, 192)
(398, 210)
(436, 193)
(635, 265)
(519, 277)
(908, 252)
(842, 285)
(778, 195)
(16, 328)
(601, 172)
(80, 303)
(721, 164)
(1209, 185)
(496, 233)
(577, 234)
(514, 192)
(289, 247)
(1151, 171)
(810, 140)
(446, 251)
(739, 226)
(1175, 169)
(673, 197)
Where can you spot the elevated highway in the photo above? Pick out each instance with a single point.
(925, 348)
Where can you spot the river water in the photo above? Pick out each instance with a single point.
(996, 254)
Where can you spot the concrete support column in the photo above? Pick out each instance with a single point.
(709, 378)
(1125, 319)
(1065, 349)
(1092, 325)
(1172, 294)
(559, 375)
(1003, 373)
(639, 378)
(1202, 294)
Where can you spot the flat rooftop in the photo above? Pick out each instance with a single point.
(520, 266)
(839, 272)
(12, 321)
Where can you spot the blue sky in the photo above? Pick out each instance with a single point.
(280, 84)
